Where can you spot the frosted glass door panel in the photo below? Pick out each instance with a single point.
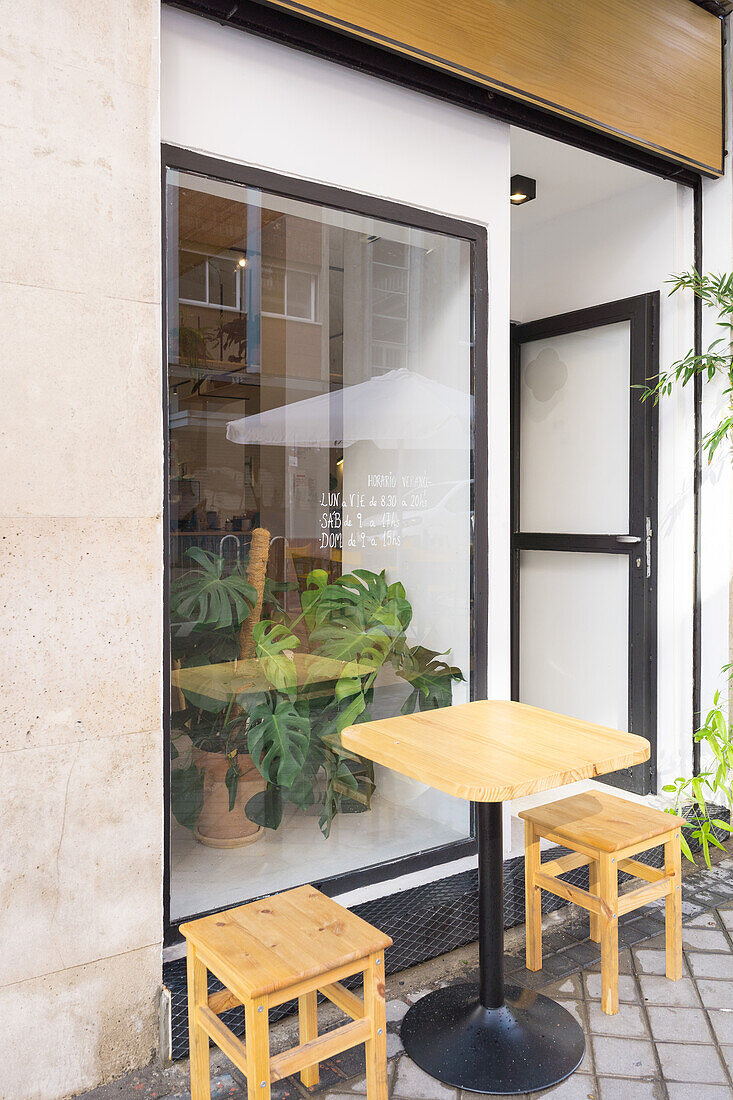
(575, 393)
(574, 629)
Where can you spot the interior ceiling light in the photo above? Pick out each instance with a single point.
(242, 262)
(523, 189)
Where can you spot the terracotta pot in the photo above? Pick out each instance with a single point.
(217, 826)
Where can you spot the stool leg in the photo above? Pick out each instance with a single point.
(609, 934)
(198, 1040)
(594, 888)
(308, 1029)
(376, 1047)
(532, 898)
(257, 1040)
(673, 908)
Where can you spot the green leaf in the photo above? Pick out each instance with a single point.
(232, 780)
(272, 640)
(187, 795)
(278, 740)
(265, 808)
(208, 597)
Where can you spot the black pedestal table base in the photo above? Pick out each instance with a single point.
(485, 1037)
(529, 1043)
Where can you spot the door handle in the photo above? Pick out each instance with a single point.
(628, 538)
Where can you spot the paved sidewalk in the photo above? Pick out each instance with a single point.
(669, 1041)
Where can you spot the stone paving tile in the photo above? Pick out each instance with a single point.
(620, 1088)
(726, 915)
(653, 961)
(661, 991)
(572, 1088)
(722, 1021)
(727, 1052)
(714, 994)
(627, 988)
(687, 1092)
(567, 988)
(688, 1062)
(705, 920)
(414, 1084)
(624, 963)
(704, 939)
(616, 1057)
(629, 1020)
(678, 1024)
(704, 964)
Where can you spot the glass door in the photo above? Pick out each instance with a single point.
(584, 519)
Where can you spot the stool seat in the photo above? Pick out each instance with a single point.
(603, 833)
(261, 946)
(600, 821)
(287, 947)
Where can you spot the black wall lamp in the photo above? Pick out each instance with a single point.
(523, 189)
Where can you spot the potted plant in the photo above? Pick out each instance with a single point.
(213, 608)
(698, 798)
(315, 675)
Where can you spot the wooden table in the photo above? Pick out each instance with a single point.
(490, 1037)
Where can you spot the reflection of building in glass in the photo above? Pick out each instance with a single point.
(320, 389)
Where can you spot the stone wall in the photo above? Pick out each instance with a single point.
(80, 544)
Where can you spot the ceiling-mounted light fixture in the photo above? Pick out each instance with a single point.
(242, 261)
(523, 189)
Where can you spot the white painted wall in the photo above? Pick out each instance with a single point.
(624, 245)
(716, 503)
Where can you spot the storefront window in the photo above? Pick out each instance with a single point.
(320, 506)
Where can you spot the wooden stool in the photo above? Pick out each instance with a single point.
(604, 832)
(270, 951)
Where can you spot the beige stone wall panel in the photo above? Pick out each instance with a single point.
(83, 825)
(82, 659)
(69, 1031)
(82, 432)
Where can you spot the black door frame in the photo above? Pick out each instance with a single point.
(642, 312)
(176, 158)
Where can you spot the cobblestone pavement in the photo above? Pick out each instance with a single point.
(669, 1040)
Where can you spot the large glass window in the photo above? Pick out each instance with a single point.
(320, 504)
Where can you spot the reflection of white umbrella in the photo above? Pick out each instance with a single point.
(400, 408)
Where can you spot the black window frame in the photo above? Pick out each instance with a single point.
(180, 159)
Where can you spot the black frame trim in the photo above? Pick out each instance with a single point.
(642, 312)
(184, 160)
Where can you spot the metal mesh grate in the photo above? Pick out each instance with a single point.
(424, 922)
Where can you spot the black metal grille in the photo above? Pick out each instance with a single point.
(424, 922)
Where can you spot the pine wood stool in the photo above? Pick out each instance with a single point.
(271, 951)
(604, 832)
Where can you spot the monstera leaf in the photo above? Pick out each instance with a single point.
(278, 739)
(187, 795)
(271, 642)
(208, 597)
(430, 678)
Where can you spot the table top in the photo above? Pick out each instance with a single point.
(494, 750)
(222, 681)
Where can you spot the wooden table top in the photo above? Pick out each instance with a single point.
(494, 750)
(222, 681)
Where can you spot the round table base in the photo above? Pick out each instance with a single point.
(530, 1043)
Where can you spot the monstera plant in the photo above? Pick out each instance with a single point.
(317, 672)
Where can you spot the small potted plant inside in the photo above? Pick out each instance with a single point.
(698, 798)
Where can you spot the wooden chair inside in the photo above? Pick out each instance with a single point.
(282, 948)
(604, 833)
